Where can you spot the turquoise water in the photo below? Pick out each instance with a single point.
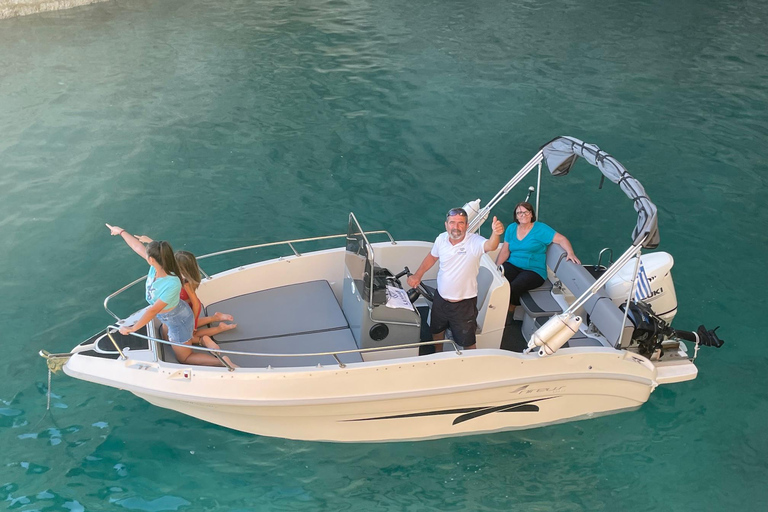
(222, 124)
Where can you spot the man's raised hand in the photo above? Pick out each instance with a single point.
(497, 226)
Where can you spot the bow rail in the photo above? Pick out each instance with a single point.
(289, 243)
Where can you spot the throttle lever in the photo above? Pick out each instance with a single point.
(404, 272)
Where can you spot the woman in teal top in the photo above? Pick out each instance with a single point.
(162, 293)
(524, 252)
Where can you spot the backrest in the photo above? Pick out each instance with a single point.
(491, 289)
(555, 254)
(602, 312)
(484, 281)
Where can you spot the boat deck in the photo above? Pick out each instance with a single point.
(295, 319)
(306, 318)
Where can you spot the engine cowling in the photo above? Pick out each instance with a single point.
(654, 284)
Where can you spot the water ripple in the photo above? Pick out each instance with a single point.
(220, 125)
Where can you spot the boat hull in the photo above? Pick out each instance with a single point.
(420, 398)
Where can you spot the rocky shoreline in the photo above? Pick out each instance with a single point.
(13, 8)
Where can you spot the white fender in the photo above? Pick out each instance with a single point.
(554, 333)
(473, 209)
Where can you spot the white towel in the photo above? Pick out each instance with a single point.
(398, 298)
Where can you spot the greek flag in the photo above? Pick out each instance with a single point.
(643, 285)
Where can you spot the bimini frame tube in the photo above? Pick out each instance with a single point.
(538, 191)
(632, 288)
(517, 178)
(612, 271)
(553, 331)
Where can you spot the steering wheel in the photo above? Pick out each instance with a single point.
(421, 289)
(427, 291)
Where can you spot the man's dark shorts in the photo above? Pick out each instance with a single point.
(460, 316)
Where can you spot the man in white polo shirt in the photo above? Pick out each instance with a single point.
(455, 303)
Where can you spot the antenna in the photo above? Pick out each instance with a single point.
(531, 189)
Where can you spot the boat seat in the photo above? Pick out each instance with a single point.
(546, 286)
(609, 320)
(578, 340)
(484, 282)
(538, 303)
(600, 309)
(294, 319)
(301, 308)
(484, 292)
(327, 341)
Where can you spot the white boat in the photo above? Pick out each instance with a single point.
(323, 358)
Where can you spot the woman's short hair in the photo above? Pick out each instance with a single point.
(528, 206)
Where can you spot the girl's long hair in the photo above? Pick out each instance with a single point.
(190, 271)
(162, 252)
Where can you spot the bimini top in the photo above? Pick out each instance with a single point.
(562, 152)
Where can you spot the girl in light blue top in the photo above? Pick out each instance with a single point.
(162, 293)
(524, 252)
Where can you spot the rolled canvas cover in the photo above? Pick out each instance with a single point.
(562, 152)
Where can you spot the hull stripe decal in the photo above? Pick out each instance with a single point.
(465, 414)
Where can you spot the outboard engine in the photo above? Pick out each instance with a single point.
(654, 304)
(654, 284)
(650, 330)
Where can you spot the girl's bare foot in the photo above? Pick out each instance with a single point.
(229, 362)
(221, 317)
(226, 327)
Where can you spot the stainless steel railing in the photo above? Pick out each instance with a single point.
(289, 243)
(219, 352)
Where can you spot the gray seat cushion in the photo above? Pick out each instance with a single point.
(287, 310)
(602, 312)
(327, 341)
(539, 303)
(545, 287)
(294, 319)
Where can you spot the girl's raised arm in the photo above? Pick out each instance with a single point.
(129, 239)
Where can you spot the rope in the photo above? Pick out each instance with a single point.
(55, 362)
(696, 347)
(48, 407)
